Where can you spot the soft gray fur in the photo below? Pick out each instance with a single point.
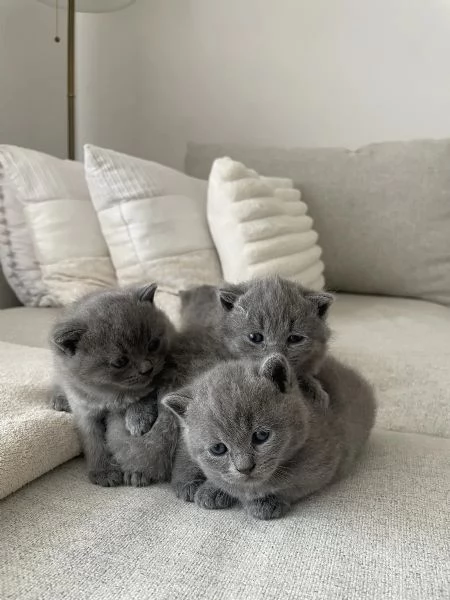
(306, 449)
(291, 319)
(148, 458)
(109, 349)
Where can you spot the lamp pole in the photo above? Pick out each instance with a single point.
(71, 80)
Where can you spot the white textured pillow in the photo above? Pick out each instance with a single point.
(53, 250)
(153, 219)
(17, 255)
(260, 226)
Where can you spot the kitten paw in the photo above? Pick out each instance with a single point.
(186, 490)
(136, 479)
(59, 402)
(209, 497)
(313, 390)
(106, 477)
(139, 422)
(269, 507)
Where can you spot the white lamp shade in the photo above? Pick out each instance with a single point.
(90, 6)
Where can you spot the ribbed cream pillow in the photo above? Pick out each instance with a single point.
(52, 248)
(153, 219)
(260, 226)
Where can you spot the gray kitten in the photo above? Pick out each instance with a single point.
(250, 435)
(263, 316)
(109, 348)
(148, 458)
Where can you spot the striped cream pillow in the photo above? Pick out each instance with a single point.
(260, 226)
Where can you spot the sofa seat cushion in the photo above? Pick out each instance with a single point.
(403, 347)
(381, 533)
(27, 326)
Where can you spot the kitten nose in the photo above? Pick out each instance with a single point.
(245, 469)
(145, 367)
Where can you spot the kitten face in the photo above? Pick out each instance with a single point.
(242, 421)
(117, 339)
(275, 315)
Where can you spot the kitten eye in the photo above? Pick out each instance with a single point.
(256, 338)
(296, 339)
(260, 436)
(153, 345)
(218, 449)
(120, 362)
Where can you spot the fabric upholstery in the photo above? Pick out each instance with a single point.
(403, 347)
(260, 226)
(153, 219)
(34, 438)
(381, 534)
(56, 213)
(26, 325)
(382, 212)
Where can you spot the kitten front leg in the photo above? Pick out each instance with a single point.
(102, 469)
(268, 507)
(141, 415)
(313, 390)
(187, 476)
(211, 497)
(59, 400)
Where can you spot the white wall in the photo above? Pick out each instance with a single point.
(32, 78)
(108, 75)
(280, 72)
(291, 72)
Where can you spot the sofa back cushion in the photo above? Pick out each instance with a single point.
(382, 212)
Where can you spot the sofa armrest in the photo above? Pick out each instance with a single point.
(7, 296)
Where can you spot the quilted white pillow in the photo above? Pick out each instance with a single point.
(53, 250)
(153, 219)
(260, 226)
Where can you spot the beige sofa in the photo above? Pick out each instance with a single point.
(384, 532)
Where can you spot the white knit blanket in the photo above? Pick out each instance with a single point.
(34, 438)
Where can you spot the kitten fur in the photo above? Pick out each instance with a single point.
(148, 458)
(306, 449)
(276, 309)
(109, 348)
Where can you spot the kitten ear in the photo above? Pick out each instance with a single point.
(177, 402)
(230, 295)
(276, 368)
(147, 292)
(227, 299)
(322, 302)
(67, 336)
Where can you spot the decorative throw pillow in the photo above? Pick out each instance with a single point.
(17, 255)
(53, 250)
(153, 219)
(260, 226)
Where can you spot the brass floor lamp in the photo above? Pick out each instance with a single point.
(73, 6)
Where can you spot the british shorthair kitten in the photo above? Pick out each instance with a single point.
(109, 349)
(263, 316)
(249, 434)
(148, 458)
